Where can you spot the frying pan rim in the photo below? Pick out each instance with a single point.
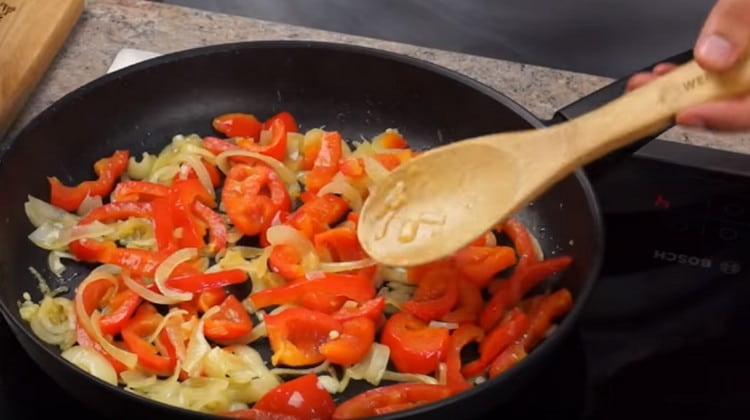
(593, 206)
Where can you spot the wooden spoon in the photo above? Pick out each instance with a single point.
(442, 200)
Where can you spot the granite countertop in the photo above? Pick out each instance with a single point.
(110, 25)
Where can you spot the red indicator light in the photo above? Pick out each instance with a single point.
(661, 203)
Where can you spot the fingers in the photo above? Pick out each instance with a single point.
(725, 35)
(664, 68)
(640, 79)
(730, 115)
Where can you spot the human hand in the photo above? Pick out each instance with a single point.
(724, 39)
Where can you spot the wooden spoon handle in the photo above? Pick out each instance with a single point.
(650, 108)
(31, 33)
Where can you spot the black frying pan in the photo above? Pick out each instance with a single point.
(354, 90)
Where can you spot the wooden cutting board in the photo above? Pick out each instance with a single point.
(31, 33)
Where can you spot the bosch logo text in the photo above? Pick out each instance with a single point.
(682, 259)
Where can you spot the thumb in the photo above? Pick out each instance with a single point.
(725, 35)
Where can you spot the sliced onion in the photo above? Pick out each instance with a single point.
(54, 321)
(198, 346)
(442, 373)
(89, 203)
(294, 143)
(259, 331)
(55, 236)
(164, 270)
(346, 265)
(374, 170)
(441, 324)
(394, 274)
(40, 212)
(300, 372)
(136, 379)
(537, 247)
(201, 172)
(55, 265)
(164, 174)
(409, 377)
(373, 366)
(350, 194)
(315, 275)
(90, 361)
(140, 170)
(125, 357)
(247, 252)
(287, 235)
(330, 384)
(289, 178)
(171, 314)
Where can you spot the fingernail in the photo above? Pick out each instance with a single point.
(716, 50)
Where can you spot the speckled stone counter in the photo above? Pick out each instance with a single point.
(109, 25)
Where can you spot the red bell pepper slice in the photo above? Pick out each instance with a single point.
(503, 335)
(113, 212)
(216, 228)
(390, 139)
(190, 190)
(523, 245)
(302, 398)
(550, 308)
(297, 334)
(470, 304)
(255, 414)
(353, 343)
(521, 282)
(138, 191)
(415, 347)
(286, 261)
(276, 148)
(372, 309)
(230, 325)
(196, 283)
(435, 296)
(326, 162)
(381, 400)
(290, 124)
(118, 311)
(341, 244)
(137, 261)
(322, 301)
(355, 167)
(108, 170)
(250, 210)
(237, 125)
(350, 286)
(480, 264)
(318, 214)
(202, 301)
(460, 338)
(144, 323)
(522, 241)
(161, 216)
(510, 357)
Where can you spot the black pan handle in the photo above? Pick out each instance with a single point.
(601, 97)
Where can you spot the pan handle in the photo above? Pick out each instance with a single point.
(603, 96)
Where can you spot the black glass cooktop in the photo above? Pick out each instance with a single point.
(665, 333)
